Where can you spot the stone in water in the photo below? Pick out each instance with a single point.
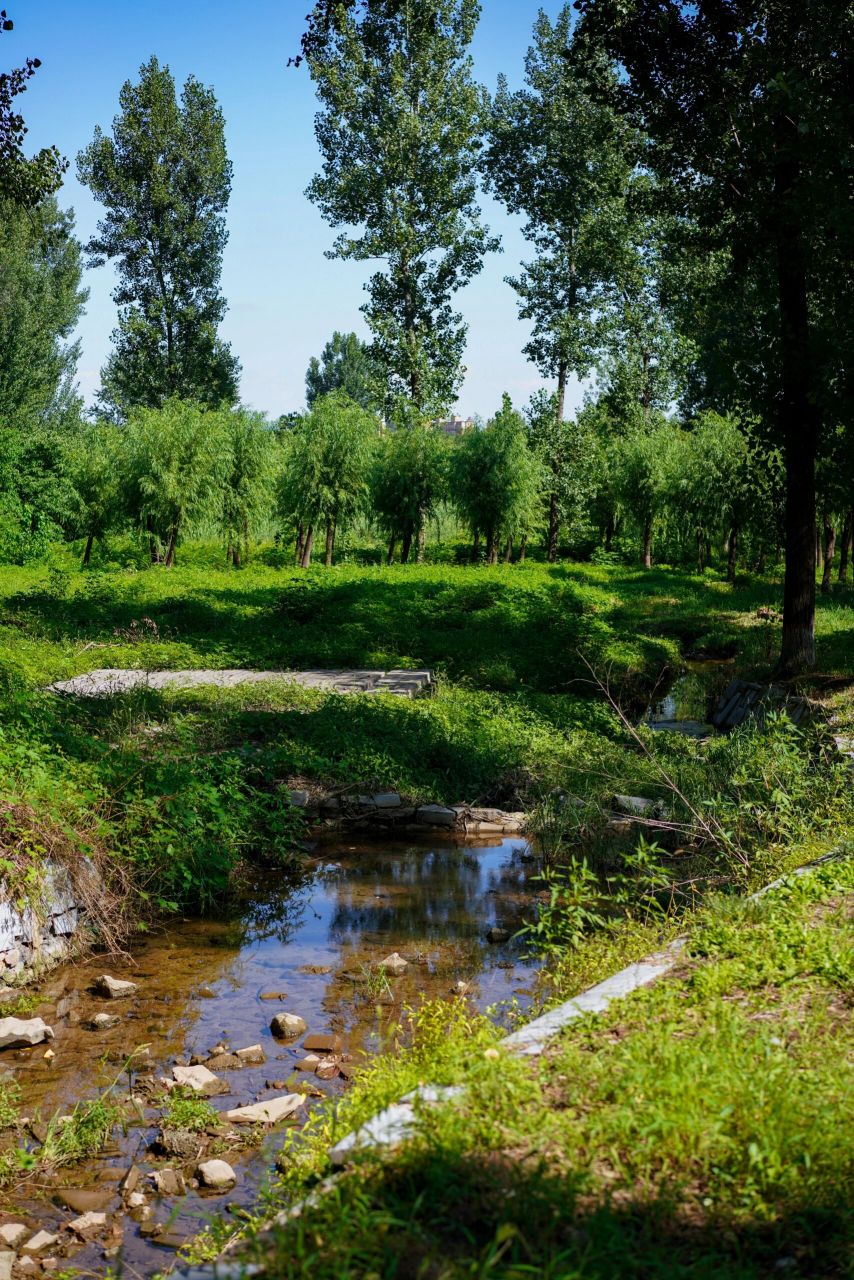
(21, 1031)
(270, 1112)
(114, 988)
(287, 1026)
(200, 1080)
(217, 1175)
(394, 964)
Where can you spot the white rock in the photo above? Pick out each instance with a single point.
(200, 1080)
(13, 1234)
(39, 1242)
(269, 1112)
(252, 1054)
(287, 1026)
(394, 964)
(88, 1224)
(136, 1200)
(217, 1175)
(7, 1260)
(15, 1031)
(634, 806)
(115, 988)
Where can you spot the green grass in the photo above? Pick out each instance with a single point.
(696, 1128)
(180, 786)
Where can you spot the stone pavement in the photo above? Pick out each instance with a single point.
(112, 680)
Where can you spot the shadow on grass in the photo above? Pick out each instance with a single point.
(439, 1214)
(497, 630)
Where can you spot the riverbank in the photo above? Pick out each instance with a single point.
(694, 1126)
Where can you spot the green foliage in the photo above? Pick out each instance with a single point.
(326, 469)
(345, 365)
(164, 178)
(409, 480)
(178, 463)
(247, 491)
(187, 1111)
(497, 481)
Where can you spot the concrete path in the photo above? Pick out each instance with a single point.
(112, 680)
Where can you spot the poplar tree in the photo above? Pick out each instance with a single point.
(400, 132)
(164, 178)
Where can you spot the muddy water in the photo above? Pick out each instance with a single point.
(202, 982)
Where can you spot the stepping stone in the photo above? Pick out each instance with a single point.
(270, 1112)
(114, 988)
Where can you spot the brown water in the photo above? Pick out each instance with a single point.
(201, 983)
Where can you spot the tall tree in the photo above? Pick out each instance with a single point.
(165, 178)
(248, 483)
(176, 465)
(408, 481)
(400, 135)
(26, 181)
(750, 108)
(326, 472)
(345, 365)
(497, 482)
(40, 302)
(560, 154)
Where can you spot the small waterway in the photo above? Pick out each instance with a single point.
(686, 705)
(305, 950)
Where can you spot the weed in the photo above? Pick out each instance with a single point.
(187, 1111)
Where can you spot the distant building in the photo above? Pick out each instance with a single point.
(454, 426)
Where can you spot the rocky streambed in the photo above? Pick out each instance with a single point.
(271, 1008)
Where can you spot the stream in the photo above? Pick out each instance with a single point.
(304, 950)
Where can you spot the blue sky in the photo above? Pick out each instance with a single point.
(285, 298)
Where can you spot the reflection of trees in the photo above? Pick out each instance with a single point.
(426, 895)
(273, 907)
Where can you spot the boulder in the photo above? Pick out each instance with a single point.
(634, 806)
(22, 1031)
(386, 800)
(269, 1112)
(169, 1182)
(287, 1026)
(114, 988)
(38, 1243)
(393, 964)
(216, 1175)
(102, 1022)
(252, 1056)
(200, 1080)
(88, 1225)
(437, 815)
(13, 1234)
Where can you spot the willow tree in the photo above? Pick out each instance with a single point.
(164, 178)
(400, 134)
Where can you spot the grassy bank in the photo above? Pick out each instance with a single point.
(695, 1128)
(179, 786)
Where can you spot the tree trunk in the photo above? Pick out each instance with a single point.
(153, 549)
(845, 549)
(421, 540)
(523, 547)
(491, 547)
(760, 563)
(87, 551)
(508, 551)
(308, 541)
(330, 543)
(819, 552)
(609, 533)
(475, 547)
(300, 542)
(829, 553)
(701, 558)
(170, 550)
(229, 552)
(553, 528)
(647, 545)
(406, 547)
(733, 554)
(799, 425)
(392, 543)
(235, 556)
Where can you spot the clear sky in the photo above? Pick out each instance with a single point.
(285, 298)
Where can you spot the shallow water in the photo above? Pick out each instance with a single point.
(686, 705)
(201, 982)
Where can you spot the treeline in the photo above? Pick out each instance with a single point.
(524, 480)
